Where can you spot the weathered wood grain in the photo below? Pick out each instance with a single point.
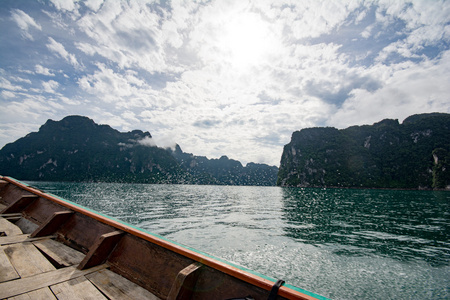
(52, 223)
(77, 288)
(22, 238)
(9, 228)
(60, 253)
(11, 216)
(101, 249)
(40, 294)
(26, 225)
(115, 286)
(184, 283)
(20, 204)
(28, 284)
(13, 239)
(27, 260)
(7, 271)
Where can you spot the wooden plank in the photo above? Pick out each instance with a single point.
(23, 238)
(115, 286)
(7, 271)
(77, 288)
(11, 215)
(146, 264)
(51, 225)
(81, 232)
(184, 283)
(63, 255)
(26, 225)
(3, 183)
(101, 249)
(20, 204)
(9, 228)
(10, 193)
(28, 284)
(27, 260)
(14, 239)
(12, 219)
(40, 294)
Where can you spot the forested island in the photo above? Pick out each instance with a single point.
(412, 155)
(78, 149)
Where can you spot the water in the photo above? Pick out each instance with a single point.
(339, 243)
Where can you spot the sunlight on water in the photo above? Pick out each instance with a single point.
(343, 244)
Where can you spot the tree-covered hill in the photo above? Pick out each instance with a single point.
(78, 149)
(387, 154)
(225, 170)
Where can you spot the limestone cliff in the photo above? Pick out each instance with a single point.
(387, 154)
(77, 149)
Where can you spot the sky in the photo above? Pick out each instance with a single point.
(223, 77)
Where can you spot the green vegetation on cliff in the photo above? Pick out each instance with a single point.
(78, 149)
(387, 154)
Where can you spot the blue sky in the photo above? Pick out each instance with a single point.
(231, 78)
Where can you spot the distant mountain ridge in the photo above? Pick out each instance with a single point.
(411, 155)
(225, 171)
(78, 149)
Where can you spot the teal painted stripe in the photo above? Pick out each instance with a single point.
(21, 182)
(192, 249)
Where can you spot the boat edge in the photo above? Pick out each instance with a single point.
(240, 272)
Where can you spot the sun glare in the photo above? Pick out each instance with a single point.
(246, 40)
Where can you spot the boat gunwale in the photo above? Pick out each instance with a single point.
(215, 263)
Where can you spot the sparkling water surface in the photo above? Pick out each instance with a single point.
(339, 243)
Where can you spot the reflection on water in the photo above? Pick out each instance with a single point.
(399, 224)
(343, 244)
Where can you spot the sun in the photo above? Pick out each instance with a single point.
(246, 40)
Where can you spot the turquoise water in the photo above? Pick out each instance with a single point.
(339, 243)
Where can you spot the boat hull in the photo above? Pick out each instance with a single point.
(165, 268)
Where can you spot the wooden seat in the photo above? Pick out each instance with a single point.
(26, 273)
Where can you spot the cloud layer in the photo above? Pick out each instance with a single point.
(220, 78)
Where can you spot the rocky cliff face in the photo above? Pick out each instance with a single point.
(78, 149)
(414, 154)
(225, 171)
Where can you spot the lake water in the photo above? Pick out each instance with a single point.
(339, 243)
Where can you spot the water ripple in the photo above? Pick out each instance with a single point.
(343, 244)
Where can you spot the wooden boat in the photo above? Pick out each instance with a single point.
(108, 258)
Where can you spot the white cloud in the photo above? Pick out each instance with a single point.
(7, 85)
(8, 94)
(147, 141)
(235, 77)
(50, 86)
(367, 32)
(113, 87)
(11, 130)
(94, 4)
(69, 101)
(129, 115)
(112, 120)
(24, 21)
(310, 19)
(59, 49)
(127, 33)
(425, 25)
(19, 79)
(408, 89)
(89, 49)
(43, 71)
(29, 109)
(68, 5)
